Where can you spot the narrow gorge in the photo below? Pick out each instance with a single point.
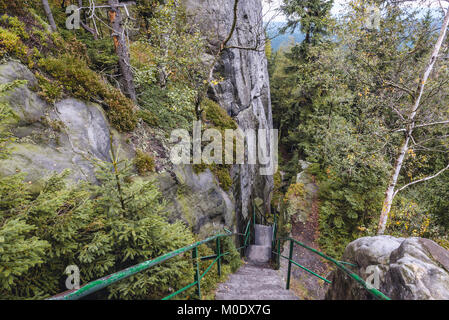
(97, 98)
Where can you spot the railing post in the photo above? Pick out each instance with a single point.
(274, 229)
(254, 214)
(218, 256)
(196, 268)
(290, 257)
(278, 259)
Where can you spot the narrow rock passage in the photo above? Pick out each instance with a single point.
(256, 280)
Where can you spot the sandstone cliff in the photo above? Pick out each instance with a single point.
(71, 133)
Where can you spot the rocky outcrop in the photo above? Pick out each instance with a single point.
(198, 200)
(51, 138)
(72, 133)
(245, 89)
(408, 269)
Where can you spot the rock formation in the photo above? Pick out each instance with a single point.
(71, 133)
(408, 269)
(245, 91)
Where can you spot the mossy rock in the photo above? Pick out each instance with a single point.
(212, 112)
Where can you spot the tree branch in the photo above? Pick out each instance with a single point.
(421, 180)
(424, 125)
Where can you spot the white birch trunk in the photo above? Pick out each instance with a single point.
(390, 193)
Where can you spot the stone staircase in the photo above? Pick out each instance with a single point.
(256, 280)
(260, 252)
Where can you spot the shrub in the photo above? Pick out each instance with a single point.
(144, 162)
(148, 117)
(49, 90)
(89, 226)
(11, 44)
(15, 25)
(166, 108)
(217, 115)
(76, 77)
(223, 175)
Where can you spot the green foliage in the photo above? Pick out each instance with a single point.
(216, 117)
(220, 119)
(11, 44)
(100, 54)
(233, 258)
(78, 79)
(167, 108)
(147, 8)
(86, 225)
(148, 117)
(15, 25)
(311, 15)
(49, 90)
(144, 162)
(6, 115)
(68, 60)
(336, 107)
(230, 264)
(223, 175)
(167, 63)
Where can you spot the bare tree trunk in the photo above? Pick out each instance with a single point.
(47, 10)
(389, 195)
(391, 192)
(121, 48)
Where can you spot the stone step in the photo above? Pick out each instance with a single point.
(242, 286)
(258, 254)
(263, 235)
(255, 271)
(255, 296)
(254, 282)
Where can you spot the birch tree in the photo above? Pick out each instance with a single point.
(411, 125)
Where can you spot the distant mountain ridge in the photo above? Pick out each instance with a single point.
(278, 40)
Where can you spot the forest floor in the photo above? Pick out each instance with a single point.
(304, 284)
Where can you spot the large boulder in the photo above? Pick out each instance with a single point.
(408, 269)
(50, 138)
(197, 199)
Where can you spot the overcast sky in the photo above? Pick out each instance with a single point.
(270, 7)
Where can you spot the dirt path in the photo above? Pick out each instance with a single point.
(306, 285)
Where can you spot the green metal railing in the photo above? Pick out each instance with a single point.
(258, 216)
(340, 264)
(106, 281)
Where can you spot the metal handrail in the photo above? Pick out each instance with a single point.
(106, 281)
(376, 293)
(257, 212)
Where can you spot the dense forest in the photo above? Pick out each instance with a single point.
(361, 96)
(346, 100)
